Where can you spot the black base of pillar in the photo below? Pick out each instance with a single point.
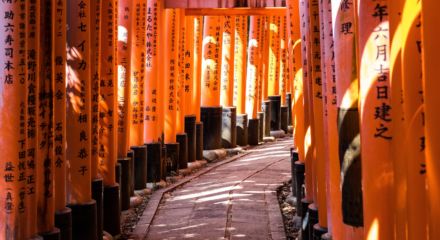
(199, 141)
(52, 235)
(182, 139)
(299, 171)
(112, 210)
(313, 219)
(326, 236)
(253, 131)
(266, 107)
(293, 159)
(275, 113)
(140, 167)
(305, 229)
(63, 221)
(84, 221)
(318, 231)
(260, 126)
(130, 155)
(118, 172)
(190, 130)
(171, 157)
(242, 129)
(98, 196)
(229, 131)
(284, 118)
(289, 108)
(154, 161)
(124, 183)
(212, 127)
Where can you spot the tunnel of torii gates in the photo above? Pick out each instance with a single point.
(100, 97)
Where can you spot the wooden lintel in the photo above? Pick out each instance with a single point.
(268, 11)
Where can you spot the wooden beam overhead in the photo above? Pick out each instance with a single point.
(268, 11)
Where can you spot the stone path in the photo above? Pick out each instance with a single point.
(236, 200)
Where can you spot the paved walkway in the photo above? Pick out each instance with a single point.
(236, 200)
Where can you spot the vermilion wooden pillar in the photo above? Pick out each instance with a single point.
(108, 115)
(45, 162)
(395, 112)
(59, 61)
(211, 111)
(171, 74)
(197, 70)
(273, 56)
(197, 83)
(431, 51)
(252, 77)
(347, 91)
(320, 201)
(189, 66)
(227, 67)
(413, 109)
(240, 56)
(33, 84)
(265, 58)
(180, 88)
(124, 45)
(13, 107)
(240, 62)
(78, 134)
(210, 91)
(153, 85)
(95, 71)
(308, 116)
(373, 48)
(252, 70)
(283, 75)
(295, 73)
(108, 92)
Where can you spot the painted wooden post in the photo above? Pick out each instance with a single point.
(240, 62)
(413, 109)
(398, 122)
(13, 105)
(318, 128)
(108, 115)
(211, 110)
(189, 66)
(375, 128)
(45, 158)
(229, 114)
(33, 85)
(180, 88)
(240, 56)
(308, 116)
(252, 70)
(430, 19)
(197, 70)
(210, 88)
(59, 61)
(95, 69)
(273, 55)
(265, 58)
(124, 45)
(283, 75)
(78, 134)
(108, 92)
(347, 92)
(227, 67)
(171, 74)
(295, 71)
(252, 76)
(153, 85)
